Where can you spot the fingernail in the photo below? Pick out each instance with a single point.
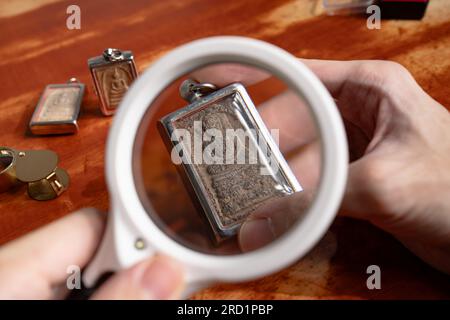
(256, 233)
(162, 279)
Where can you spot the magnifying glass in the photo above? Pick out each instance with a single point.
(216, 217)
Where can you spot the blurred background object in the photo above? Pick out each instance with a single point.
(390, 9)
(334, 7)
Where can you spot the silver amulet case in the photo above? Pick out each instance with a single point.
(227, 191)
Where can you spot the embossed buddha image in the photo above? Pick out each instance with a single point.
(115, 81)
(235, 189)
(59, 104)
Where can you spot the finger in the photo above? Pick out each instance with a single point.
(306, 164)
(198, 240)
(358, 87)
(272, 220)
(286, 112)
(155, 279)
(333, 74)
(290, 115)
(226, 73)
(275, 218)
(32, 266)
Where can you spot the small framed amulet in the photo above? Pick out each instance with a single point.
(58, 109)
(228, 159)
(112, 73)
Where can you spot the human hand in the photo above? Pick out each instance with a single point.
(398, 178)
(35, 266)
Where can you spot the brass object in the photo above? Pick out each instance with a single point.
(139, 244)
(58, 109)
(112, 73)
(36, 168)
(33, 165)
(50, 187)
(226, 191)
(7, 169)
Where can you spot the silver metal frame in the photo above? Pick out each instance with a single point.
(100, 61)
(72, 121)
(254, 118)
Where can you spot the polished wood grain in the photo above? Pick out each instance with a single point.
(36, 49)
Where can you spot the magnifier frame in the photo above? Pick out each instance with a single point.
(128, 220)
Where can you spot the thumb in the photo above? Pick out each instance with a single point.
(155, 279)
(273, 219)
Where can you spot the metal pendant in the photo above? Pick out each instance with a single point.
(231, 187)
(112, 73)
(58, 109)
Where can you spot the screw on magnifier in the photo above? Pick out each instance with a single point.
(139, 244)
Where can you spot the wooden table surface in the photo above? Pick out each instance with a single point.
(36, 49)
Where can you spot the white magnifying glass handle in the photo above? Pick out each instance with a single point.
(112, 257)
